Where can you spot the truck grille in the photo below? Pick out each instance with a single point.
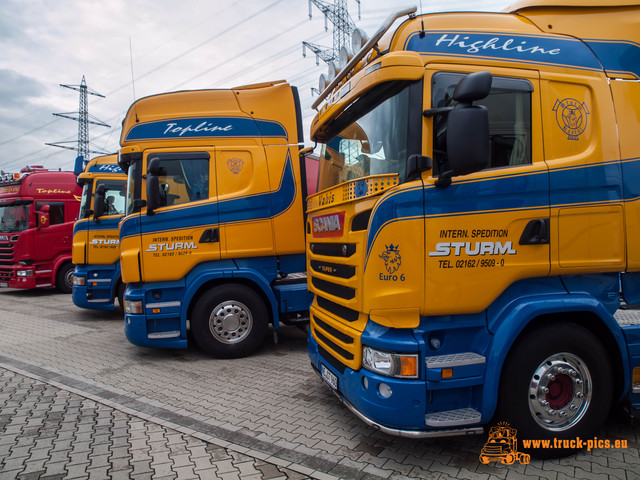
(335, 321)
(6, 254)
(340, 341)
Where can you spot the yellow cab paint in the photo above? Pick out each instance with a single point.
(407, 252)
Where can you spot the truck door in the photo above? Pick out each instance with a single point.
(242, 179)
(585, 174)
(54, 239)
(103, 245)
(184, 231)
(490, 228)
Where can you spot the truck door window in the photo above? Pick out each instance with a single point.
(56, 211)
(114, 197)
(183, 180)
(509, 108)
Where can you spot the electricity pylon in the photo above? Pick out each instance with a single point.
(343, 26)
(84, 119)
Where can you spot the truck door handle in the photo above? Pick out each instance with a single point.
(210, 235)
(536, 232)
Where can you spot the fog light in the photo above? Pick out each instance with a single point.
(133, 306)
(384, 390)
(79, 281)
(636, 380)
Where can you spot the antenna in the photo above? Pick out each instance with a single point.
(133, 82)
(84, 119)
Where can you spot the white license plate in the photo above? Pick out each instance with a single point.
(4, 284)
(329, 377)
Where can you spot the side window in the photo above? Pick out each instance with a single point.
(183, 180)
(114, 198)
(56, 211)
(509, 109)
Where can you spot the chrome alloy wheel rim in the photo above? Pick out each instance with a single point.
(560, 392)
(68, 278)
(230, 322)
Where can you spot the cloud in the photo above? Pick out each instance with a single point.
(17, 90)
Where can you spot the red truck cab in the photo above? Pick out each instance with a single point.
(37, 210)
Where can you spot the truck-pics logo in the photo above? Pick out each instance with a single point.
(235, 165)
(392, 258)
(502, 446)
(571, 116)
(330, 225)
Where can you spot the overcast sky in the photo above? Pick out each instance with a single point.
(169, 45)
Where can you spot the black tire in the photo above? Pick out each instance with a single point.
(64, 278)
(230, 321)
(120, 295)
(572, 365)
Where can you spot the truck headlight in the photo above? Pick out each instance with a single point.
(79, 281)
(24, 273)
(133, 306)
(399, 365)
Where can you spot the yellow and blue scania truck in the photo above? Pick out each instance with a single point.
(213, 239)
(96, 244)
(478, 199)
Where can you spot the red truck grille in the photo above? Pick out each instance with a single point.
(6, 259)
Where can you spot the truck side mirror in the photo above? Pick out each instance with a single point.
(153, 186)
(98, 201)
(43, 216)
(468, 145)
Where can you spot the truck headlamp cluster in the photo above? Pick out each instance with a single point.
(334, 69)
(24, 273)
(399, 365)
(344, 56)
(323, 81)
(79, 281)
(9, 177)
(133, 307)
(358, 40)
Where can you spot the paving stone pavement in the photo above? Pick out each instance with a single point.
(78, 401)
(49, 433)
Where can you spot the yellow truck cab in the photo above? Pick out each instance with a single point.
(96, 244)
(477, 200)
(213, 239)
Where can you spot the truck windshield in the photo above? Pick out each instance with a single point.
(14, 218)
(86, 200)
(131, 181)
(375, 142)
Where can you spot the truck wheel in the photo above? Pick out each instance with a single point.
(64, 278)
(556, 384)
(120, 294)
(229, 321)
